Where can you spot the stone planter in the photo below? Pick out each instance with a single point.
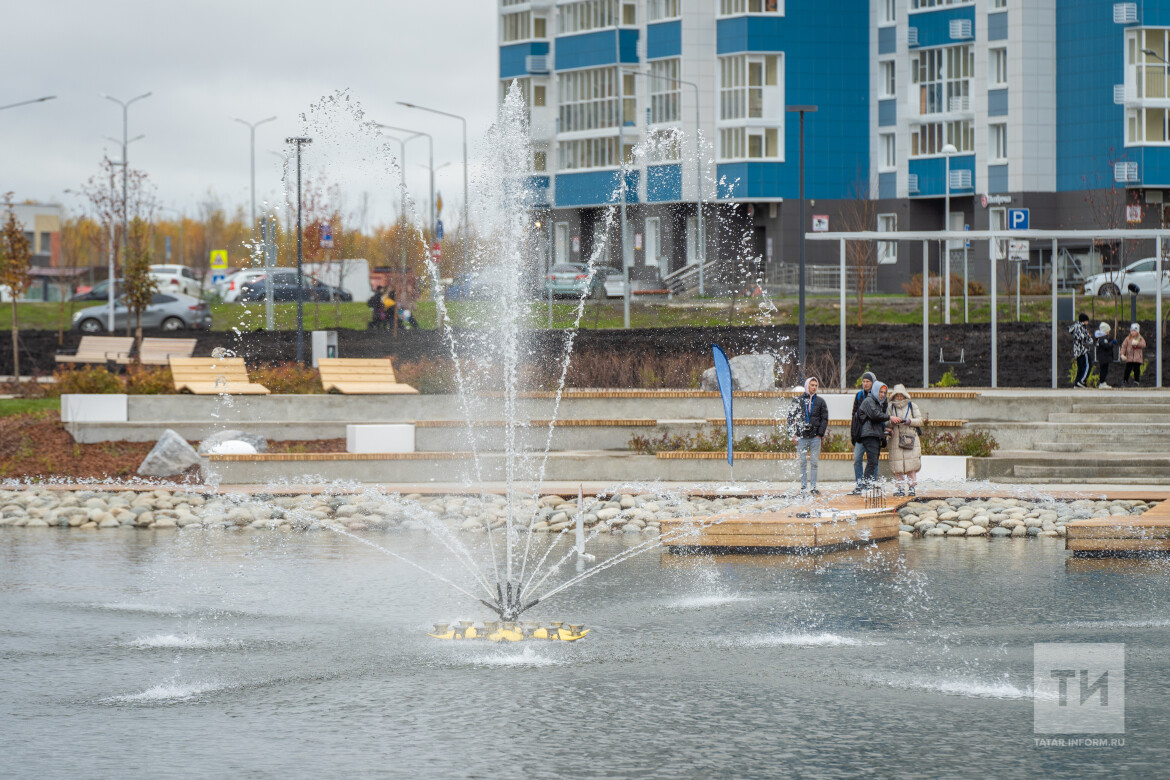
(944, 468)
(106, 407)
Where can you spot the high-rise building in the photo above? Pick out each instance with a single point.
(1061, 107)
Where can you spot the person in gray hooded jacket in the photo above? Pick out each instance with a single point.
(873, 428)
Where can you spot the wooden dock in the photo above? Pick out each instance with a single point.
(1147, 534)
(816, 527)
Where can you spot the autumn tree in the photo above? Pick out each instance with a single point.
(858, 214)
(15, 264)
(138, 286)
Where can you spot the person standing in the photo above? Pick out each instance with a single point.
(1105, 346)
(905, 441)
(808, 421)
(867, 380)
(377, 310)
(1132, 353)
(873, 429)
(1082, 341)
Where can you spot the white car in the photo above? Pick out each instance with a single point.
(1141, 274)
(176, 279)
(229, 289)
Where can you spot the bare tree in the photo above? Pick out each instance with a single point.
(860, 213)
(1107, 205)
(138, 285)
(15, 264)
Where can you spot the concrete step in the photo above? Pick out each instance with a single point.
(1059, 446)
(1105, 414)
(1125, 407)
(1091, 473)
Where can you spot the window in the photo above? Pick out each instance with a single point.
(538, 95)
(516, 27)
(587, 15)
(740, 7)
(561, 242)
(31, 238)
(742, 83)
(889, 11)
(664, 145)
(742, 143)
(629, 14)
(944, 78)
(588, 153)
(889, 150)
(999, 4)
(658, 10)
(629, 99)
(998, 67)
(665, 91)
(887, 251)
(916, 4)
(998, 145)
(1147, 126)
(929, 139)
(540, 161)
(539, 27)
(46, 243)
(889, 85)
(587, 99)
(1148, 49)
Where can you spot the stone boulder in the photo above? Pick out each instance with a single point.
(748, 373)
(259, 443)
(171, 456)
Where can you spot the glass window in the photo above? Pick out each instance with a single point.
(516, 27)
(1144, 267)
(888, 84)
(587, 99)
(916, 4)
(998, 144)
(889, 11)
(539, 27)
(629, 14)
(930, 138)
(889, 150)
(658, 10)
(743, 83)
(665, 91)
(999, 66)
(587, 15)
(944, 78)
(887, 251)
(999, 4)
(46, 242)
(540, 161)
(588, 153)
(740, 7)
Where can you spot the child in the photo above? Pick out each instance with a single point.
(1105, 345)
(1081, 341)
(1131, 353)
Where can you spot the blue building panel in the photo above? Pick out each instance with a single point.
(751, 180)
(1089, 127)
(887, 40)
(1153, 165)
(595, 49)
(595, 188)
(888, 112)
(750, 33)
(997, 102)
(932, 174)
(997, 26)
(997, 178)
(664, 183)
(514, 58)
(664, 40)
(934, 27)
(538, 187)
(888, 185)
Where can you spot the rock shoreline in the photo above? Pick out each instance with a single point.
(1006, 517)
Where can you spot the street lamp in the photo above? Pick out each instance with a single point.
(252, 135)
(29, 102)
(948, 150)
(300, 142)
(431, 158)
(466, 222)
(702, 247)
(402, 194)
(125, 104)
(802, 110)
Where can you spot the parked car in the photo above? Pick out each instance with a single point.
(614, 281)
(573, 280)
(169, 311)
(99, 292)
(284, 289)
(176, 278)
(1142, 274)
(230, 288)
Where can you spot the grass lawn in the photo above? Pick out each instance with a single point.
(11, 406)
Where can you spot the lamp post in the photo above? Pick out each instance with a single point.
(29, 102)
(402, 196)
(466, 222)
(947, 150)
(802, 343)
(252, 135)
(430, 166)
(701, 248)
(300, 142)
(125, 104)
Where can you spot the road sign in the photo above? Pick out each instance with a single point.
(1018, 251)
(436, 252)
(967, 243)
(219, 259)
(820, 223)
(1133, 214)
(439, 229)
(217, 278)
(1018, 219)
(326, 236)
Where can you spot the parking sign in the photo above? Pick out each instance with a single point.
(1018, 219)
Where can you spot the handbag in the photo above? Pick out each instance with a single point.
(905, 441)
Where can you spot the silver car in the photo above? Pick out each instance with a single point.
(168, 311)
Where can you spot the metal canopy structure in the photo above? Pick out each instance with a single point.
(993, 236)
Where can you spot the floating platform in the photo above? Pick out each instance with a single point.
(841, 523)
(508, 632)
(1147, 534)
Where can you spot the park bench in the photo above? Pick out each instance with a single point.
(211, 376)
(97, 349)
(158, 352)
(360, 375)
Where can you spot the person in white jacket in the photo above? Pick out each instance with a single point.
(905, 443)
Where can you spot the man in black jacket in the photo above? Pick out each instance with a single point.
(807, 421)
(873, 428)
(867, 380)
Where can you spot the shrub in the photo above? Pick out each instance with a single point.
(90, 380)
(289, 378)
(913, 288)
(1033, 284)
(144, 380)
(948, 379)
(427, 375)
(701, 441)
(973, 444)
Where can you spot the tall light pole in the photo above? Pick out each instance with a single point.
(466, 222)
(948, 150)
(402, 194)
(802, 343)
(125, 104)
(300, 142)
(701, 248)
(431, 165)
(252, 158)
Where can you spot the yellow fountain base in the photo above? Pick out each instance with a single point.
(509, 632)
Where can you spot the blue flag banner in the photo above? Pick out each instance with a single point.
(723, 375)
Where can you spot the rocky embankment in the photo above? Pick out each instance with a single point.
(1010, 517)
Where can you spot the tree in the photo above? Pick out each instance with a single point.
(860, 213)
(138, 285)
(1107, 206)
(15, 263)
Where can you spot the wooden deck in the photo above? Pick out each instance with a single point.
(1147, 534)
(820, 526)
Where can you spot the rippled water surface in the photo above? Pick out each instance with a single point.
(203, 654)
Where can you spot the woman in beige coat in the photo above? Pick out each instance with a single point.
(905, 444)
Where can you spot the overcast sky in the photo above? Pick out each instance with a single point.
(212, 60)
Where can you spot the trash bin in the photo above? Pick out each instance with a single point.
(324, 345)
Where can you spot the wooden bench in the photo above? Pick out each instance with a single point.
(212, 376)
(360, 375)
(98, 349)
(158, 352)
